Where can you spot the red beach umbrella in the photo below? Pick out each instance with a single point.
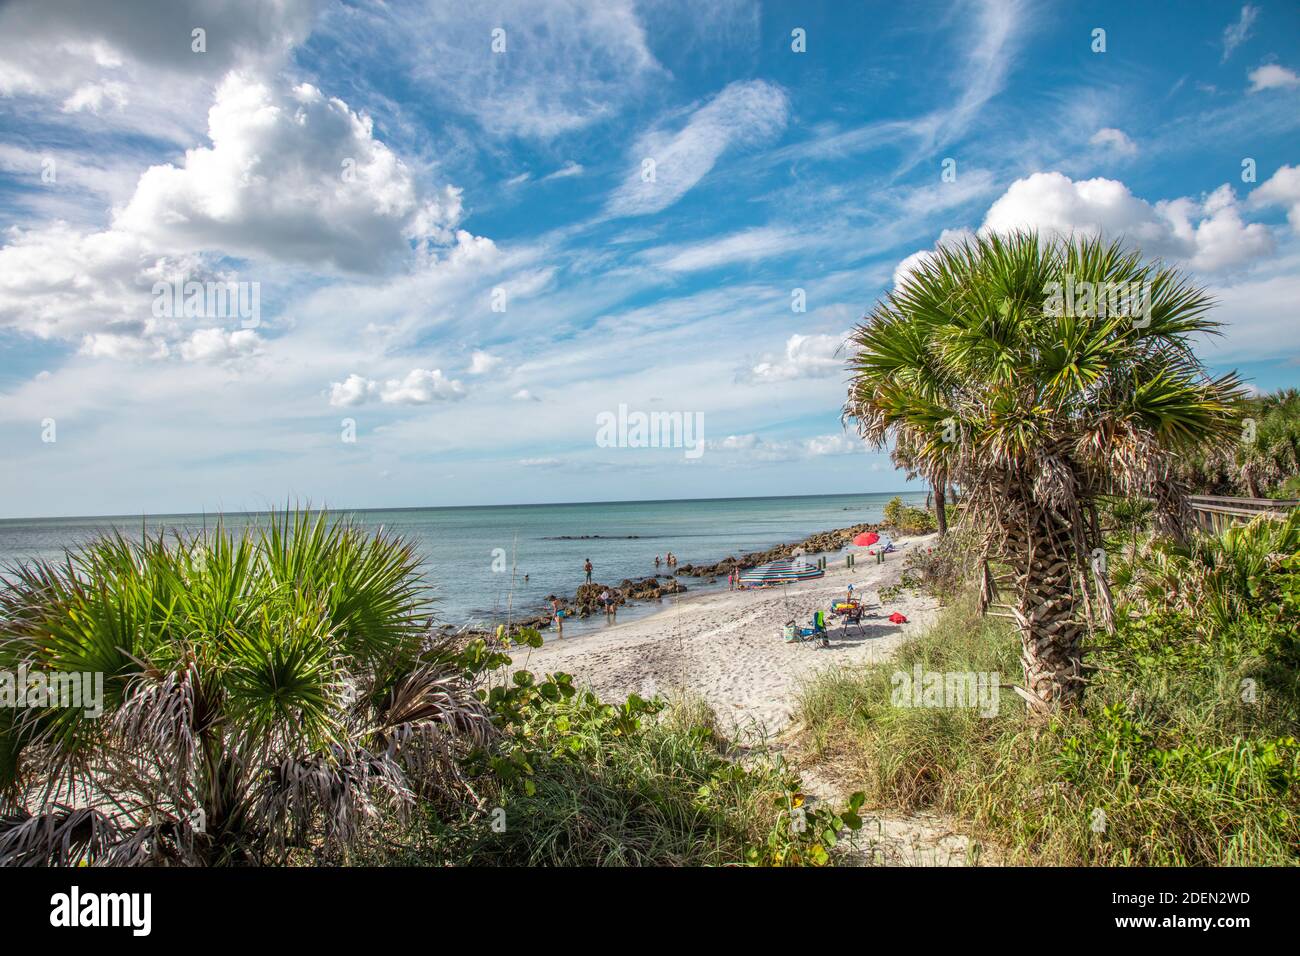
(866, 538)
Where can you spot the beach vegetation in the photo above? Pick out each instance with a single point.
(1184, 752)
(278, 696)
(266, 695)
(643, 783)
(1263, 463)
(907, 520)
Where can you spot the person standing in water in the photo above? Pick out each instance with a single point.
(588, 568)
(557, 616)
(657, 563)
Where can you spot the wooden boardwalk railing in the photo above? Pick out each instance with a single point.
(1214, 513)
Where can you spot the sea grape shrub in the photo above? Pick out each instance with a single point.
(907, 520)
(893, 512)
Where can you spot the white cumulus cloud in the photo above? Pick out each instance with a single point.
(418, 387)
(1270, 76)
(1281, 189)
(481, 363)
(220, 345)
(290, 175)
(1207, 234)
(806, 356)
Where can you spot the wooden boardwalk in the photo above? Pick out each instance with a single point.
(1214, 513)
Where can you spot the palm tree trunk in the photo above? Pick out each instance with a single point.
(1041, 556)
(1252, 483)
(940, 512)
(988, 585)
(1171, 513)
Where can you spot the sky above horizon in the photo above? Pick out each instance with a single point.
(473, 233)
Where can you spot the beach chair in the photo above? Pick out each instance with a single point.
(849, 611)
(817, 632)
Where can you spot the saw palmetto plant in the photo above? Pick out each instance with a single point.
(979, 372)
(264, 692)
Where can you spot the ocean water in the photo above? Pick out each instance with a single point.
(548, 543)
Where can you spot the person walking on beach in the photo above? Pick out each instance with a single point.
(587, 567)
(557, 616)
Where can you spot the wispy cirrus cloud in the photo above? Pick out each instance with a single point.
(667, 164)
(1235, 34)
(515, 68)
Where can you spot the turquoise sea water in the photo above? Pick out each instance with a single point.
(549, 543)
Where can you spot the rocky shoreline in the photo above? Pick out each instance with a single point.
(586, 601)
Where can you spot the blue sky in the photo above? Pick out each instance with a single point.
(458, 249)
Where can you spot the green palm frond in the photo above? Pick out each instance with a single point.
(278, 679)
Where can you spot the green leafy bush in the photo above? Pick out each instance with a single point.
(577, 782)
(907, 520)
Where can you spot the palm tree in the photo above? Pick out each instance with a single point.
(266, 691)
(980, 374)
(1263, 461)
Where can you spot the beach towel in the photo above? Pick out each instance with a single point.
(897, 618)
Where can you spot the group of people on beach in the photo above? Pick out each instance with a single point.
(607, 600)
(670, 560)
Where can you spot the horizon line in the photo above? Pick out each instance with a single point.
(517, 504)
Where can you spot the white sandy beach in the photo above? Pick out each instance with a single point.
(728, 646)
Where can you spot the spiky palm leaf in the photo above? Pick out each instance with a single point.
(263, 691)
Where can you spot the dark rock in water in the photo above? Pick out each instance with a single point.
(587, 600)
(650, 589)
